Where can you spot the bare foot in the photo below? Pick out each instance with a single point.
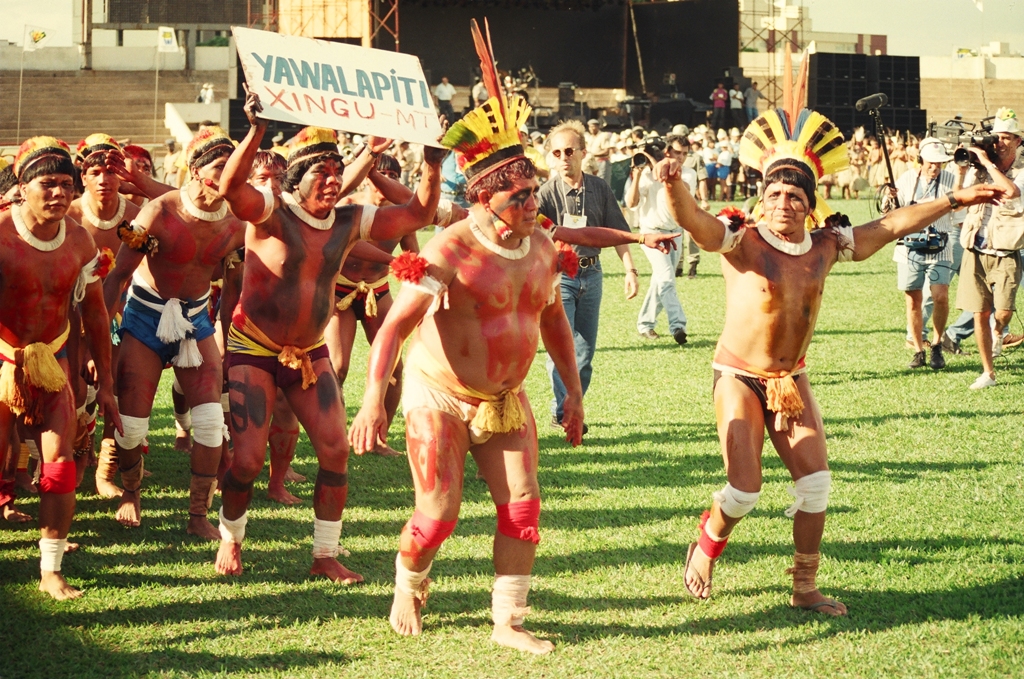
(384, 450)
(816, 602)
(201, 527)
(146, 473)
(229, 558)
(334, 571)
(23, 481)
(183, 441)
(279, 494)
(56, 586)
(292, 476)
(514, 636)
(405, 611)
(12, 514)
(70, 547)
(697, 573)
(107, 490)
(129, 513)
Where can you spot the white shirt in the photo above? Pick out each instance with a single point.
(652, 210)
(735, 99)
(444, 92)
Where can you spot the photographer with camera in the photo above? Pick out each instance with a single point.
(647, 194)
(992, 237)
(927, 256)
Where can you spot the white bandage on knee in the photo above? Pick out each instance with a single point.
(225, 403)
(183, 421)
(51, 554)
(79, 411)
(811, 493)
(736, 503)
(233, 531)
(326, 535)
(135, 430)
(90, 394)
(409, 582)
(508, 599)
(208, 425)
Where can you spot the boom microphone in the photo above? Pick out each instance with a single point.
(874, 101)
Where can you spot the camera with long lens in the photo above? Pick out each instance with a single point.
(655, 148)
(958, 134)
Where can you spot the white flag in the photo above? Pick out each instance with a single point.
(35, 38)
(979, 5)
(167, 39)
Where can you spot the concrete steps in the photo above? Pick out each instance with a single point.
(973, 99)
(73, 104)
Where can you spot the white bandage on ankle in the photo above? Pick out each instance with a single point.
(233, 531)
(208, 427)
(508, 599)
(135, 430)
(736, 503)
(326, 535)
(51, 554)
(811, 493)
(409, 582)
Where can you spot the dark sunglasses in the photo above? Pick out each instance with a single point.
(557, 153)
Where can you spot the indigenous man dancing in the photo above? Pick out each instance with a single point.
(48, 262)
(175, 243)
(476, 304)
(100, 210)
(294, 248)
(364, 297)
(774, 277)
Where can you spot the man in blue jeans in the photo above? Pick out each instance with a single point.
(574, 199)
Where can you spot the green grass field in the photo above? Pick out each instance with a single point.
(923, 541)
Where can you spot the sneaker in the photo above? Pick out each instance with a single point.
(937, 362)
(918, 362)
(984, 380)
(1012, 340)
(997, 345)
(679, 272)
(692, 273)
(650, 335)
(951, 346)
(679, 336)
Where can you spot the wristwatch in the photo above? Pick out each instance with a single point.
(953, 202)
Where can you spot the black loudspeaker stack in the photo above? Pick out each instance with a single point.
(836, 81)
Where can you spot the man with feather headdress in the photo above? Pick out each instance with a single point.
(775, 273)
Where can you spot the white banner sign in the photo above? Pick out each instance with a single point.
(167, 39)
(35, 38)
(338, 86)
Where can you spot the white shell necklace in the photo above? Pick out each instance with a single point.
(31, 239)
(785, 246)
(300, 212)
(195, 211)
(105, 224)
(518, 253)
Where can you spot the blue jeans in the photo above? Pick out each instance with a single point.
(751, 113)
(662, 292)
(581, 297)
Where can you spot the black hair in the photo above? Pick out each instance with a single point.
(673, 138)
(51, 163)
(388, 163)
(298, 168)
(7, 179)
(207, 157)
(503, 178)
(793, 177)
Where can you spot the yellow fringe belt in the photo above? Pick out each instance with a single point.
(28, 368)
(252, 341)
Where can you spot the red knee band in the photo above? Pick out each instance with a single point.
(712, 548)
(427, 532)
(7, 491)
(520, 520)
(57, 477)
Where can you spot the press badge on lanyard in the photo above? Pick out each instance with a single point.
(574, 221)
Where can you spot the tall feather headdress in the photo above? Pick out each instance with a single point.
(487, 137)
(813, 146)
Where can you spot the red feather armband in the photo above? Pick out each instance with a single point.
(105, 262)
(409, 267)
(568, 260)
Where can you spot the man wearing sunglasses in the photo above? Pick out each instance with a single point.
(575, 200)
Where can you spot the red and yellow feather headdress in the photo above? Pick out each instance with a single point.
(208, 139)
(37, 148)
(95, 143)
(487, 138)
(313, 141)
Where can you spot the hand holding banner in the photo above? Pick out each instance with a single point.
(338, 86)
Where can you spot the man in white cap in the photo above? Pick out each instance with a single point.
(992, 236)
(927, 256)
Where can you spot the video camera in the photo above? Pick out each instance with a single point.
(957, 134)
(651, 147)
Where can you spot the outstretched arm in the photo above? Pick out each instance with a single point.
(558, 340)
(368, 252)
(398, 193)
(246, 201)
(871, 237)
(395, 221)
(707, 231)
(604, 237)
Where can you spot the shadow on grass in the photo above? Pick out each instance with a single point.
(666, 342)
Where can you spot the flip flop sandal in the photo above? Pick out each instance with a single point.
(686, 569)
(821, 604)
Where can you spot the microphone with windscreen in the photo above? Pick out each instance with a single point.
(870, 103)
